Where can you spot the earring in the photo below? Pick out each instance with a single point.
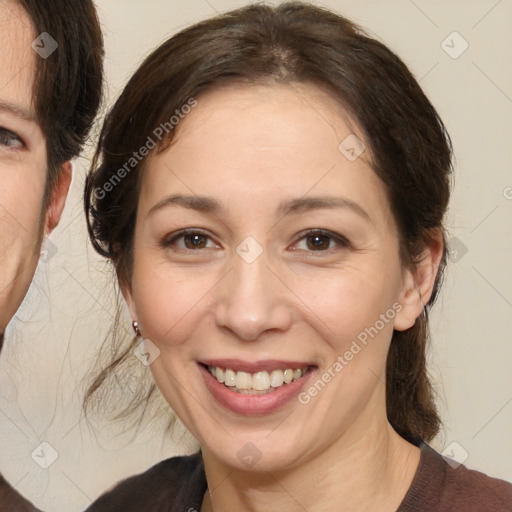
(135, 326)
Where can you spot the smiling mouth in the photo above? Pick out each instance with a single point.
(258, 383)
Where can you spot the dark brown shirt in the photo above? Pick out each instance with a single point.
(11, 501)
(178, 485)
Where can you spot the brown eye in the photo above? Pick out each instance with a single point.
(195, 241)
(189, 240)
(318, 242)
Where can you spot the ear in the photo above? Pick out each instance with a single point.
(418, 282)
(58, 200)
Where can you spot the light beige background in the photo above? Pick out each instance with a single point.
(68, 311)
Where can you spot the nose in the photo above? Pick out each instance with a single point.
(252, 300)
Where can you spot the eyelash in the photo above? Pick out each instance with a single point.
(6, 136)
(170, 240)
(340, 240)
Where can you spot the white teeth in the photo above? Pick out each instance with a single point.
(229, 378)
(257, 383)
(260, 381)
(219, 374)
(254, 392)
(276, 378)
(243, 380)
(288, 376)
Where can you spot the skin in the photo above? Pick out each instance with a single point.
(250, 148)
(23, 169)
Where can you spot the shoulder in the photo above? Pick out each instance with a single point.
(442, 485)
(11, 501)
(174, 483)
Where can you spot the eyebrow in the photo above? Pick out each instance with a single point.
(18, 111)
(198, 203)
(305, 204)
(294, 206)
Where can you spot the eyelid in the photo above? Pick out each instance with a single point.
(10, 133)
(342, 241)
(169, 239)
(339, 239)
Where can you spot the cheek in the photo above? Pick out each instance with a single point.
(343, 303)
(22, 188)
(21, 198)
(169, 303)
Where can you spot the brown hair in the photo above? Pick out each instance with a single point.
(292, 43)
(69, 82)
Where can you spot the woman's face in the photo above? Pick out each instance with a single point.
(22, 161)
(261, 247)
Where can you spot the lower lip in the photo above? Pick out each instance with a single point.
(252, 405)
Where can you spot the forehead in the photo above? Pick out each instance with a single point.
(243, 128)
(17, 58)
(258, 127)
(255, 145)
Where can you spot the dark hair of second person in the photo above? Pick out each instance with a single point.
(69, 83)
(50, 92)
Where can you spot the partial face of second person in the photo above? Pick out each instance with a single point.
(321, 265)
(23, 169)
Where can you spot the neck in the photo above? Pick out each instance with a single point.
(1, 339)
(373, 471)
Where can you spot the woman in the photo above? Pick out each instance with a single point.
(270, 187)
(51, 64)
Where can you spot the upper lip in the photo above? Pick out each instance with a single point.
(255, 366)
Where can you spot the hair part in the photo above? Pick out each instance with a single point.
(292, 43)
